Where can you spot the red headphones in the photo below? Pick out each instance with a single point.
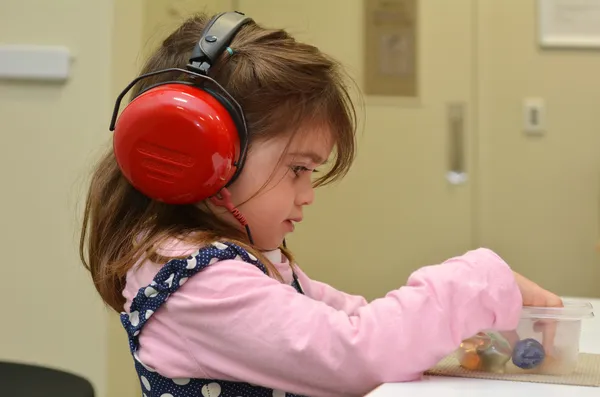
(181, 142)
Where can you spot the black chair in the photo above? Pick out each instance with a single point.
(25, 380)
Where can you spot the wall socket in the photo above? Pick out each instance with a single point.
(534, 116)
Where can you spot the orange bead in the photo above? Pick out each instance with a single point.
(470, 360)
(479, 342)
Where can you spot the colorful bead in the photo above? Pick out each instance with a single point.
(494, 360)
(470, 360)
(484, 352)
(528, 354)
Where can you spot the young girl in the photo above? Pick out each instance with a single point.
(212, 302)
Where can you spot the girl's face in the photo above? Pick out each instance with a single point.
(272, 213)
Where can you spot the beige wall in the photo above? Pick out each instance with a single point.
(538, 195)
(50, 312)
(537, 198)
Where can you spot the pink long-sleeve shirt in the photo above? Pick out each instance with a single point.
(232, 322)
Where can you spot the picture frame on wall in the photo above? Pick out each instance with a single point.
(569, 23)
(391, 48)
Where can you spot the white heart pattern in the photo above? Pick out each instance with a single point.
(145, 383)
(134, 318)
(211, 390)
(192, 263)
(150, 292)
(220, 246)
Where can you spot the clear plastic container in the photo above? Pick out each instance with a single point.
(546, 341)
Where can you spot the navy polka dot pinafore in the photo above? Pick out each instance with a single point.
(148, 299)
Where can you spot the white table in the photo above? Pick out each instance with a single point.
(438, 386)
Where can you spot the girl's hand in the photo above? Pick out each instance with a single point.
(534, 295)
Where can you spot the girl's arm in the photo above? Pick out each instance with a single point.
(231, 322)
(327, 294)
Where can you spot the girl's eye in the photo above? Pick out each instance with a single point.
(299, 169)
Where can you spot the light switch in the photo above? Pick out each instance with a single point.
(534, 116)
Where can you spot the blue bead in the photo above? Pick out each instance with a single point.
(528, 354)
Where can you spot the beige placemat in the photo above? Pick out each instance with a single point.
(587, 372)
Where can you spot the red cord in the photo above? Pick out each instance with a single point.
(223, 199)
(238, 215)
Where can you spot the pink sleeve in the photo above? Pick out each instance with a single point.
(238, 324)
(327, 294)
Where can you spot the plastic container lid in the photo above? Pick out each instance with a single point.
(571, 311)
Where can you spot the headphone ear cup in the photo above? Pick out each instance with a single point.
(177, 143)
(232, 110)
(240, 124)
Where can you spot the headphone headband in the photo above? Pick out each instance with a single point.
(216, 37)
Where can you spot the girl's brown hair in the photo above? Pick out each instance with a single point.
(280, 83)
